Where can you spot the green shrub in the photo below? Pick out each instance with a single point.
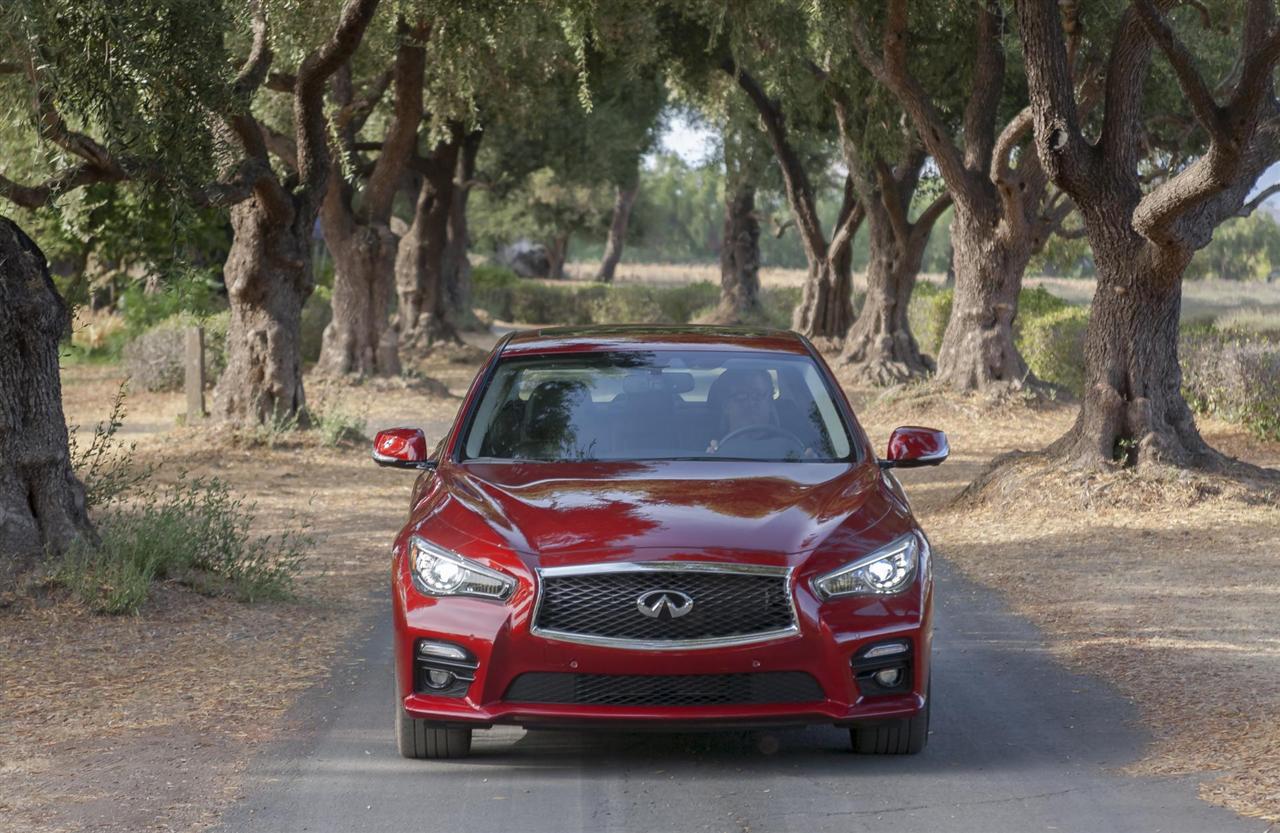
(337, 424)
(1052, 342)
(1037, 301)
(779, 302)
(629, 304)
(1234, 376)
(192, 291)
(491, 289)
(681, 303)
(928, 313)
(156, 359)
(194, 533)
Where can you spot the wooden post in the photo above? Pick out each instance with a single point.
(195, 374)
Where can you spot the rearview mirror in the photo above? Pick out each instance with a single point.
(402, 448)
(910, 446)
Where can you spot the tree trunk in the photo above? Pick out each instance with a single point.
(622, 203)
(359, 339)
(457, 268)
(1133, 410)
(739, 261)
(557, 253)
(268, 277)
(880, 346)
(424, 318)
(42, 503)
(977, 348)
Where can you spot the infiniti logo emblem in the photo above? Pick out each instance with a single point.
(664, 604)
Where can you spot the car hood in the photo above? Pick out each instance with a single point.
(554, 510)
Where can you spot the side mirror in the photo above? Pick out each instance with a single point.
(402, 448)
(910, 447)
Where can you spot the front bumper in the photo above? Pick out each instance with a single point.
(498, 637)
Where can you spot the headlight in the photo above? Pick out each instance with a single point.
(440, 572)
(883, 572)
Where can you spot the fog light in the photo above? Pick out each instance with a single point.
(439, 679)
(889, 677)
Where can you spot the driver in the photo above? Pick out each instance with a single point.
(747, 400)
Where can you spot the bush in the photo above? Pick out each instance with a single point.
(192, 291)
(1233, 376)
(195, 533)
(338, 425)
(1052, 342)
(1037, 301)
(506, 297)
(97, 334)
(630, 304)
(156, 359)
(779, 302)
(491, 289)
(928, 313)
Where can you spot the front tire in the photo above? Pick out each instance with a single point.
(425, 740)
(904, 736)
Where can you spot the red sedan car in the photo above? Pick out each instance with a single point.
(669, 527)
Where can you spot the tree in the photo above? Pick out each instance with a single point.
(625, 121)
(825, 310)
(88, 130)
(455, 263)
(739, 256)
(42, 503)
(1133, 409)
(999, 220)
(268, 270)
(879, 348)
(357, 226)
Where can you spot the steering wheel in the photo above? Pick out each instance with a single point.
(761, 426)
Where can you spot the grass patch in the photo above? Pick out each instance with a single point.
(193, 532)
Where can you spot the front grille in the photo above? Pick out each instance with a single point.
(726, 605)
(683, 690)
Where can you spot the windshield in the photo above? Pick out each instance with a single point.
(658, 405)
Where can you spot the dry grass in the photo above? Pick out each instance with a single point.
(1164, 585)
(144, 723)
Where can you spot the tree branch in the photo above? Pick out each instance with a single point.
(1211, 117)
(1063, 152)
(1253, 204)
(254, 70)
(402, 133)
(308, 92)
(35, 196)
(988, 86)
(889, 67)
(852, 213)
(799, 191)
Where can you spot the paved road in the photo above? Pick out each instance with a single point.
(1018, 744)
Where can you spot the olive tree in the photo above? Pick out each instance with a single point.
(1144, 234)
(77, 125)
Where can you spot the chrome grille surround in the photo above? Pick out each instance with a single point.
(668, 567)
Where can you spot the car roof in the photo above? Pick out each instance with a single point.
(620, 337)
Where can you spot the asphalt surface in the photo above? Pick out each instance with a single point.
(1017, 744)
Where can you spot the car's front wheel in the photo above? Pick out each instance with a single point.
(424, 739)
(904, 736)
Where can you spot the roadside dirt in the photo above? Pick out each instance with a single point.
(144, 723)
